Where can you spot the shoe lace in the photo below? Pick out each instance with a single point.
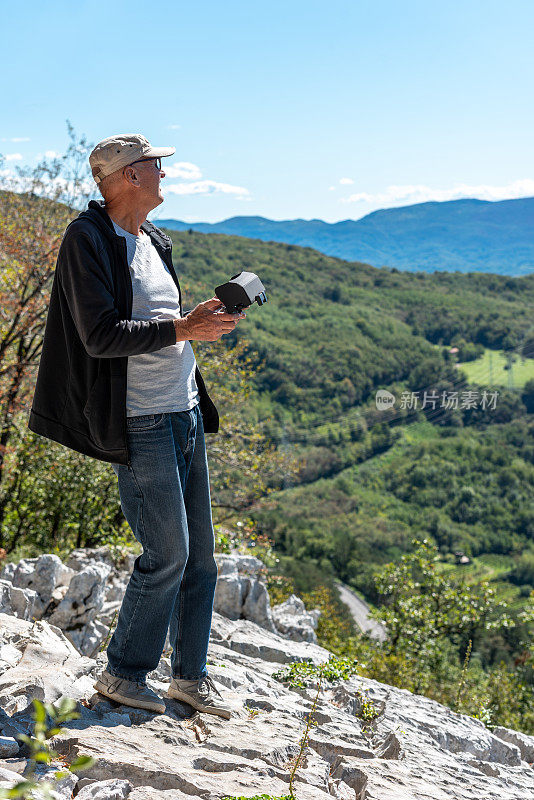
(205, 684)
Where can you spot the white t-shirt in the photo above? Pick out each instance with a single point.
(162, 381)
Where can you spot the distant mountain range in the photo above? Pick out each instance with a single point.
(463, 235)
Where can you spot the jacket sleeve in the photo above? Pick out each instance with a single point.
(88, 292)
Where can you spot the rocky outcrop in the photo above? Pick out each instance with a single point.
(239, 593)
(83, 596)
(414, 749)
(524, 743)
(292, 619)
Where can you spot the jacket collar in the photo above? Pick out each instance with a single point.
(97, 213)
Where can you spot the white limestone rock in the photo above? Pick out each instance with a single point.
(257, 605)
(7, 572)
(524, 743)
(9, 655)
(414, 749)
(230, 563)
(292, 620)
(8, 778)
(87, 640)
(239, 593)
(49, 666)
(116, 586)
(22, 603)
(148, 793)
(42, 575)
(229, 596)
(115, 789)
(62, 789)
(84, 598)
(86, 556)
(245, 637)
(10, 726)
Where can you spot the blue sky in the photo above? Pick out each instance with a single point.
(283, 109)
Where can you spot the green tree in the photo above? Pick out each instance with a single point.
(36, 204)
(527, 396)
(56, 498)
(428, 615)
(245, 464)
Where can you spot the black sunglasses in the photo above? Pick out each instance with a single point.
(157, 161)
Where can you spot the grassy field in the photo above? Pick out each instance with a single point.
(491, 370)
(492, 567)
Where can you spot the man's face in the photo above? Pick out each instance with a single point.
(149, 174)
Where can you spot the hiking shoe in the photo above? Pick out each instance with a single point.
(198, 694)
(129, 692)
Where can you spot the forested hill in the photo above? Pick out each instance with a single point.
(333, 331)
(464, 235)
(331, 334)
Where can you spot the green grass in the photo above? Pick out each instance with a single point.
(485, 567)
(492, 568)
(489, 370)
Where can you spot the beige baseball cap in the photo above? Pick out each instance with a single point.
(118, 151)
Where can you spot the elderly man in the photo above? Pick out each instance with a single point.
(118, 381)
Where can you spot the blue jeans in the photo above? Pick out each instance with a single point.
(165, 497)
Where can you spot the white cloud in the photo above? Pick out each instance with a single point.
(183, 169)
(331, 188)
(174, 127)
(205, 187)
(56, 188)
(13, 157)
(17, 139)
(419, 193)
(48, 154)
(10, 180)
(346, 181)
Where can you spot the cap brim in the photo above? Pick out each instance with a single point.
(159, 152)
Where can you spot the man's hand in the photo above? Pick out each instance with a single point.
(207, 322)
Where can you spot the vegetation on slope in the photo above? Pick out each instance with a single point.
(301, 385)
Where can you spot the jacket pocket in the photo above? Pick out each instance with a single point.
(91, 398)
(104, 412)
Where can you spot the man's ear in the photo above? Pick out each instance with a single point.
(131, 175)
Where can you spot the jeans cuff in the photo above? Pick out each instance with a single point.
(189, 678)
(126, 677)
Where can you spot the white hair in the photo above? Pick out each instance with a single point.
(108, 186)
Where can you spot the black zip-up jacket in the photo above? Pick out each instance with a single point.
(80, 394)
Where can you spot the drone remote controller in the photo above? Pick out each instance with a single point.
(241, 291)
